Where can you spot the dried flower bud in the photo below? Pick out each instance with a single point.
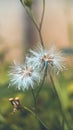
(28, 3)
(15, 103)
(12, 101)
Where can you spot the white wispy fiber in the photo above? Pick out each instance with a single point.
(56, 60)
(51, 58)
(35, 58)
(23, 76)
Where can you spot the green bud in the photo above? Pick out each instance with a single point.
(28, 3)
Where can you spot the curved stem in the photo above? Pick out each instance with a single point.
(42, 14)
(30, 14)
(63, 123)
(42, 83)
(34, 20)
(30, 111)
(41, 38)
(60, 103)
(34, 100)
(37, 27)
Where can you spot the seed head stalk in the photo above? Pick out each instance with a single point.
(58, 92)
(42, 83)
(29, 11)
(35, 115)
(43, 11)
(35, 102)
(32, 17)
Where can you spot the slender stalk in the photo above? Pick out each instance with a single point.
(43, 11)
(36, 114)
(33, 19)
(63, 123)
(41, 38)
(40, 87)
(37, 27)
(60, 103)
(40, 28)
(30, 111)
(42, 83)
(31, 15)
(35, 105)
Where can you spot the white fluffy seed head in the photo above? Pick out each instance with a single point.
(23, 76)
(52, 58)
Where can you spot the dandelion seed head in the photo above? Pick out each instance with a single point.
(23, 76)
(52, 58)
(56, 59)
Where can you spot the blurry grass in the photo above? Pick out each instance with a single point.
(48, 107)
(4, 73)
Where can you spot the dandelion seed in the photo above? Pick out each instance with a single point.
(36, 58)
(23, 76)
(51, 58)
(56, 60)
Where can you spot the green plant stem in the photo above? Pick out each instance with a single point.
(30, 111)
(41, 38)
(57, 89)
(63, 123)
(31, 15)
(42, 83)
(40, 87)
(42, 15)
(40, 28)
(37, 27)
(35, 103)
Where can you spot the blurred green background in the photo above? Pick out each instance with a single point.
(47, 104)
(15, 31)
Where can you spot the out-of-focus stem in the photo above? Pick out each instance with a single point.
(43, 11)
(60, 103)
(42, 83)
(30, 111)
(63, 123)
(37, 27)
(40, 87)
(41, 38)
(31, 15)
(35, 104)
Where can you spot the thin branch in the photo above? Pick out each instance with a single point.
(35, 105)
(30, 14)
(33, 19)
(63, 123)
(37, 27)
(30, 111)
(43, 11)
(41, 38)
(60, 103)
(40, 87)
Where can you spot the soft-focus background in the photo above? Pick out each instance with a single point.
(17, 35)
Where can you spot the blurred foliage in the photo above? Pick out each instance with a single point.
(48, 105)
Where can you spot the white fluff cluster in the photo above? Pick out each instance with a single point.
(26, 75)
(23, 76)
(51, 59)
